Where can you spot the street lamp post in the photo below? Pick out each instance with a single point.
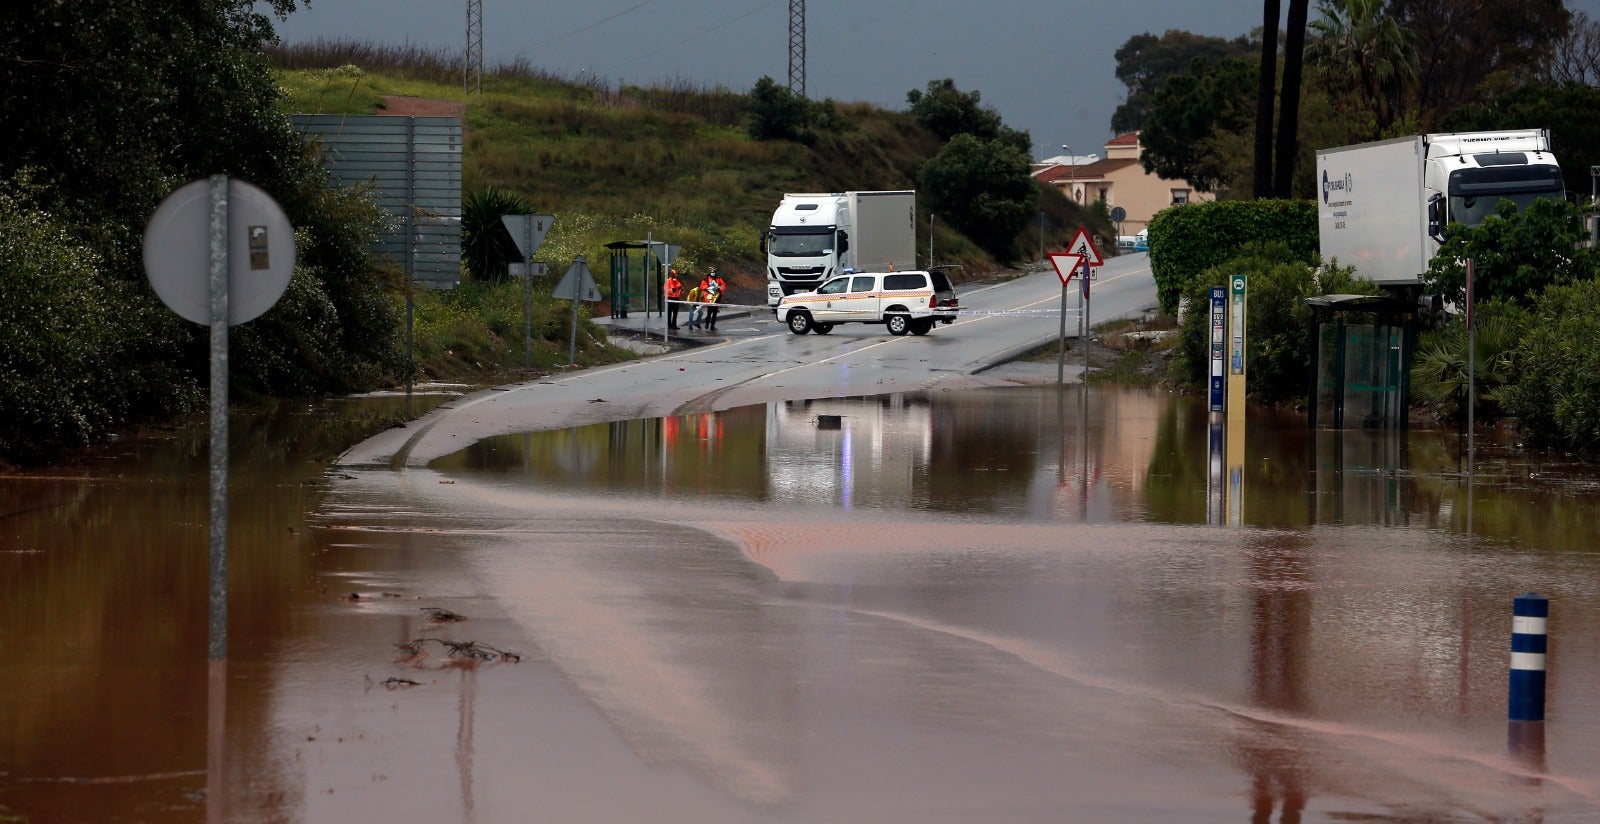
(1072, 162)
(1594, 207)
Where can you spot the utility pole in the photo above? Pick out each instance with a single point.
(797, 47)
(472, 59)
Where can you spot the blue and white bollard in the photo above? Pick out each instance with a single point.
(1529, 614)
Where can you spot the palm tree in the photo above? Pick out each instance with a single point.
(1289, 110)
(1266, 93)
(1361, 49)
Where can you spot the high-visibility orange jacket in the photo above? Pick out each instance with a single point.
(674, 289)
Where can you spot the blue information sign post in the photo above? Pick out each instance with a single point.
(1219, 339)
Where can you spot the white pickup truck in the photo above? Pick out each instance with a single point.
(902, 301)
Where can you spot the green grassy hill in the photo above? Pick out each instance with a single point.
(612, 163)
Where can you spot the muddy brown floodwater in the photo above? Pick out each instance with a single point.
(979, 605)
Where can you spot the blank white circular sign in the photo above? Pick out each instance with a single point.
(177, 251)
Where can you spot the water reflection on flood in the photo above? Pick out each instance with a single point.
(1034, 454)
(103, 605)
(928, 607)
(1346, 640)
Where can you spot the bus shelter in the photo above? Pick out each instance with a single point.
(638, 277)
(1361, 361)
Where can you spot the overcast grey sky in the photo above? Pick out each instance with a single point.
(1045, 65)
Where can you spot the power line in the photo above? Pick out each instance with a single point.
(691, 38)
(579, 30)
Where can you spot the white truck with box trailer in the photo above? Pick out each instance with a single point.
(1383, 207)
(814, 237)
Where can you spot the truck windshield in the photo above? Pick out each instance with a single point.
(1476, 193)
(816, 245)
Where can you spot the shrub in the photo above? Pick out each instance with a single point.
(1278, 324)
(1187, 240)
(1555, 391)
(64, 328)
(1515, 253)
(1439, 367)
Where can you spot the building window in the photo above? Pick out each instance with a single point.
(1180, 196)
(1105, 191)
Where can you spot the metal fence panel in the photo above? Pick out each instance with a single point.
(413, 165)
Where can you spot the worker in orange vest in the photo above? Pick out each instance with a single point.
(674, 295)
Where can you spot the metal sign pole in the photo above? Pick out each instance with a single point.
(1472, 371)
(1061, 353)
(651, 265)
(1084, 337)
(572, 347)
(217, 648)
(527, 296)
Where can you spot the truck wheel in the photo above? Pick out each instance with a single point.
(898, 324)
(799, 323)
(822, 328)
(922, 326)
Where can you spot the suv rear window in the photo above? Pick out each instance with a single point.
(904, 282)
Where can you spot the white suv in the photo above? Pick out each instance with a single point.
(903, 301)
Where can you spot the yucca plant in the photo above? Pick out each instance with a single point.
(486, 246)
(1439, 370)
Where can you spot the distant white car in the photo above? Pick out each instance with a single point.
(1125, 243)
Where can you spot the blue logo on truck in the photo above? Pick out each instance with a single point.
(1334, 185)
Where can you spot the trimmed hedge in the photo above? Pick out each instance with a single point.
(1189, 239)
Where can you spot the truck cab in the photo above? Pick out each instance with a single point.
(806, 243)
(1469, 174)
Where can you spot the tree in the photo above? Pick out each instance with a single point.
(947, 111)
(1515, 253)
(1465, 48)
(1366, 58)
(1266, 94)
(1190, 111)
(106, 109)
(776, 113)
(110, 105)
(984, 188)
(1145, 62)
(1289, 112)
(1576, 57)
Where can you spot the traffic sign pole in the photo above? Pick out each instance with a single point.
(527, 294)
(1061, 354)
(1082, 253)
(217, 647)
(210, 274)
(1084, 338)
(527, 232)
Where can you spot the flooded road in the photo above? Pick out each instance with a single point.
(996, 604)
